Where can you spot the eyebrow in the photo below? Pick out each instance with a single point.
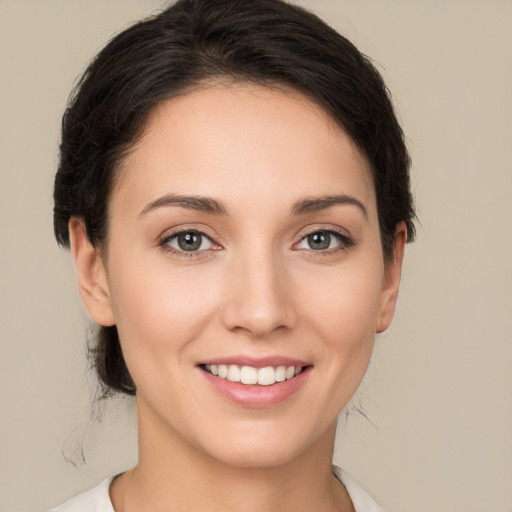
(214, 207)
(197, 203)
(315, 204)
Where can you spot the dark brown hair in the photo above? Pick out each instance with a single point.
(267, 42)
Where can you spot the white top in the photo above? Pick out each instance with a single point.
(98, 499)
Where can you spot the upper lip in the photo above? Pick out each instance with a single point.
(256, 362)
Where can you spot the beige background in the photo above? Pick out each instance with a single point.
(440, 392)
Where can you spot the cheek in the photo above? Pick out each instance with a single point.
(157, 310)
(347, 300)
(344, 312)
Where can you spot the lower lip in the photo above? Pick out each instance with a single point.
(255, 396)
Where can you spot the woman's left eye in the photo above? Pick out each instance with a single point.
(323, 240)
(188, 241)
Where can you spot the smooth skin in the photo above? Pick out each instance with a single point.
(225, 240)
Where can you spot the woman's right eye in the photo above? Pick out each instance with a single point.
(188, 241)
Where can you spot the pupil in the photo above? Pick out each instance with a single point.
(319, 241)
(189, 241)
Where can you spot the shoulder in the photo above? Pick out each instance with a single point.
(95, 500)
(362, 501)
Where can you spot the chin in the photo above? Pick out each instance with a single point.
(252, 456)
(266, 446)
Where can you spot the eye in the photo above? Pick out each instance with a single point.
(189, 241)
(324, 240)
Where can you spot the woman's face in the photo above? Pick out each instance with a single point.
(244, 239)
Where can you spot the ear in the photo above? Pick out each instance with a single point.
(391, 282)
(91, 274)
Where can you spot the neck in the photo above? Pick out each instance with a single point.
(172, 474)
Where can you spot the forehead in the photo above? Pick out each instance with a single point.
(242, 140)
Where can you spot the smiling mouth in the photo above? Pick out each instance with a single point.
(249, 375)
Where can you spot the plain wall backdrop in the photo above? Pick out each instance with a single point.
(440, 390)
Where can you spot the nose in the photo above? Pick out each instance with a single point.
(258, 296)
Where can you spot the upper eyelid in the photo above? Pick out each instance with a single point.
(173, 232)
(329, 228)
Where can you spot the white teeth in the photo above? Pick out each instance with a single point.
(280, 373)
(233, 373)
(248, 375)
(223, 371)
(265, 376)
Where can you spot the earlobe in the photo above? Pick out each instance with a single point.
(391, 283)
(91, 274)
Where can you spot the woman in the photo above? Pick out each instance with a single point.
(234, 187)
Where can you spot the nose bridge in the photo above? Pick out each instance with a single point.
(258, 298)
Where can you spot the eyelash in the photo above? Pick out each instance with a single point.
(345, 242)
(166, 239)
